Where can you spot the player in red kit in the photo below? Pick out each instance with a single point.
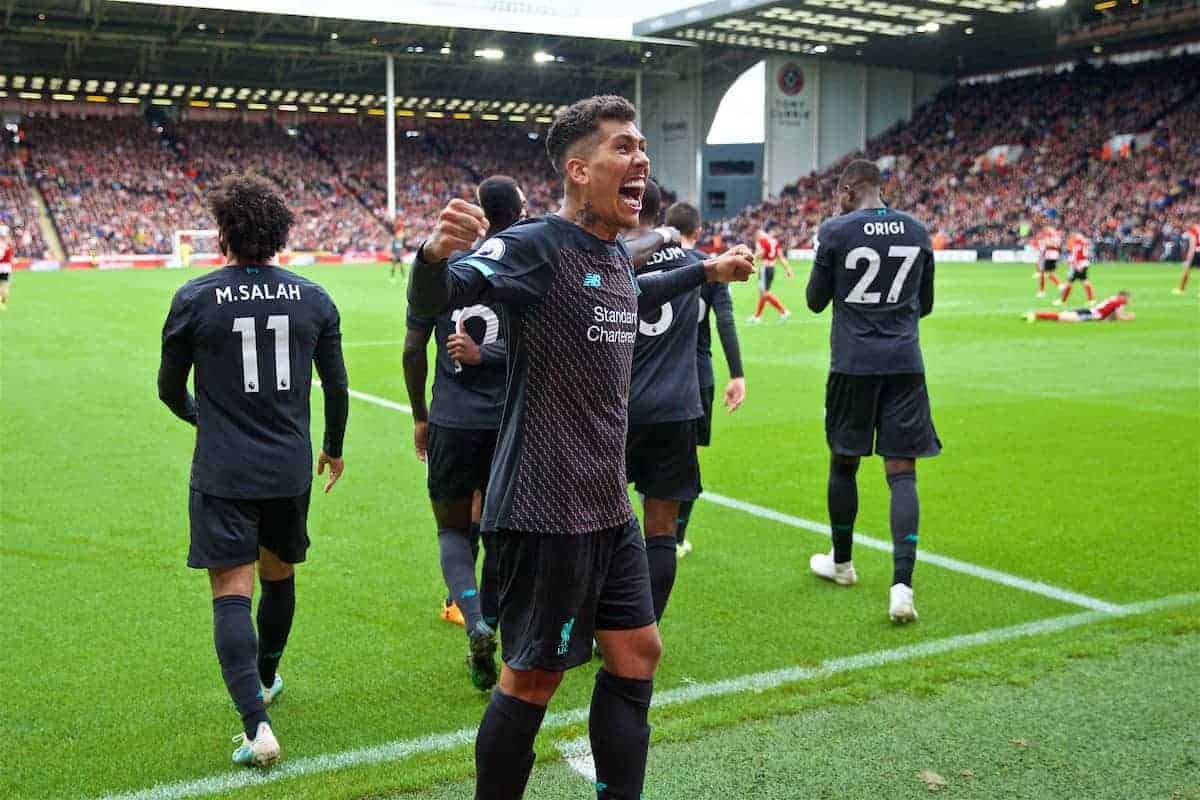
(6, 266)
(1191, 256)
(769, 252)
(1111, 310)
(1079, 249)
(1048, 243)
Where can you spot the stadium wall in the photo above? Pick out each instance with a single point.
(672, 120)
(818, 110)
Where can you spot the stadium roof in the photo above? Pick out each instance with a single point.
(944, 36)
(126, 41)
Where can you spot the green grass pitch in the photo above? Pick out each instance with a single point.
(1072, 458)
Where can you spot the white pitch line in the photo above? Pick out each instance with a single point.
(578, 755)
(974, 570)
(925, 557)
(755, 682)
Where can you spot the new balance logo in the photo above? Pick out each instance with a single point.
(591, 280)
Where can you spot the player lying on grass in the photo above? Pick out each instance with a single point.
(876, 265)
(456, 438)
(1111, 310)
(714, 297)
(253, 331)
(1191, 256)
(572, 561)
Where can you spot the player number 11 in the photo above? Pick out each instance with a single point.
(283, 363)
(859, 293)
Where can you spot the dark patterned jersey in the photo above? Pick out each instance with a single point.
(569, 312)
(877, 266)
(664, 386)
(466, 396)
(252, 335)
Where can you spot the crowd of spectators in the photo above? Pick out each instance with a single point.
(18, 211)
(126, 185)
(1061, 121)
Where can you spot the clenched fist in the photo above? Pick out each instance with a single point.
(735, 264)
(458, 227)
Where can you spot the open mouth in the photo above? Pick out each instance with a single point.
(631, 192)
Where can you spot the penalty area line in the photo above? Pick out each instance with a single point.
(579, 759)
(925, 557)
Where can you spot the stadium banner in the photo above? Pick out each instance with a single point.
(793, 96)
(1026, 256)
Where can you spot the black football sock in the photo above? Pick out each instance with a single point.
(906, 513)
(458, 569)
(237, 650)
(489, 580)
(660, 555)
(685, 515)
(842, 496)
(620, 735)
(504, 747)
(276, 608)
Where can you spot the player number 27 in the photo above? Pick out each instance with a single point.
(859, 293)
(283, 363)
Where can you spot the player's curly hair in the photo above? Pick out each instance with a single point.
(252, 217)
(580, 120)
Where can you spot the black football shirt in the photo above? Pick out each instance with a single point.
(466, 396)
(252, 335)
(664, 386)
(877, 267)
(716, 300)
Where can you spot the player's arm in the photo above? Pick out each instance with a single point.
(1190, 250)
(820, 280)
(646, 245)
(926, 288)
(787, 265)
(735, 390)
(335, 385)
(734, 264)
(176, 361)
(493, 354)
(416, 371)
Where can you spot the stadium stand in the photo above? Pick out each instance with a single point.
(1062, 121)
(125, 185)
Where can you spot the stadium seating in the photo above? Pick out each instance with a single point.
(1063, 122)
(125, 185)
(18, 212)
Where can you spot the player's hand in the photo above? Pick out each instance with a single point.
(458, 227)
(735, 393)
(420, 435)
(735, 264)
(336, 467)
(669, 233)
(789, 273)
(462, 348)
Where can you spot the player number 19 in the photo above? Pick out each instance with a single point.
(859, 293)
(283, 363)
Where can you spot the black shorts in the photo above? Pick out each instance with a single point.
(661, 462)
(1077, 274)
(1085, 314)
(704, 424)
(1196, 260)
(557, 590)
(4, 276)
(1049, 265)
(766, 276)
(890, 411)
(459, 461)
(227, 532)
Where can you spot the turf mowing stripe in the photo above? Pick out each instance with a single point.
(986, 573)
(757, 682)
(925, 557)
(383, 343)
